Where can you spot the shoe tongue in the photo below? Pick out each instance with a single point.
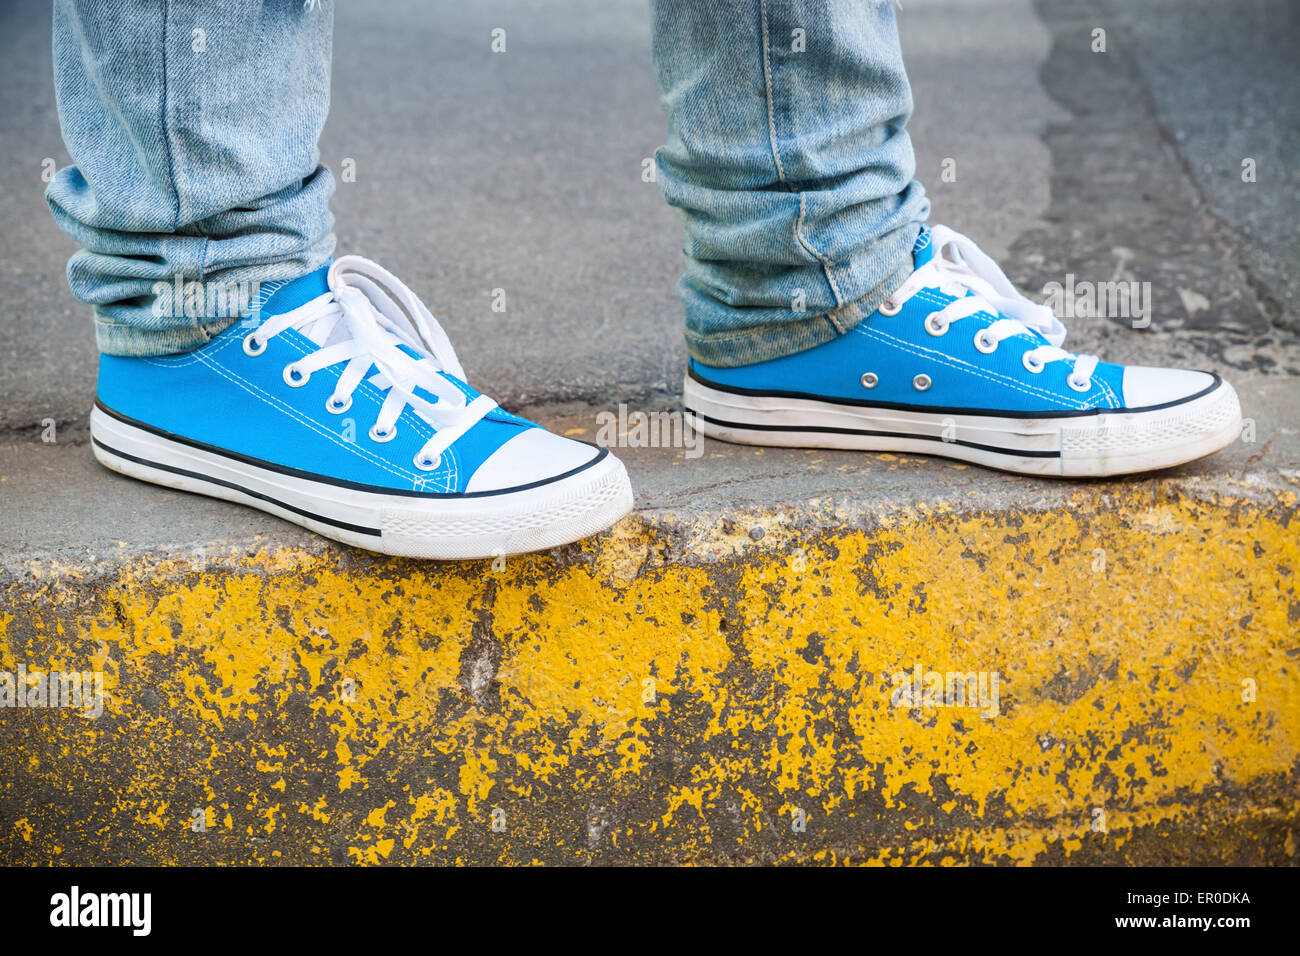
(922, 249)
(280, 297)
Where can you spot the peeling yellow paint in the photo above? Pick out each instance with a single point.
(711, 695)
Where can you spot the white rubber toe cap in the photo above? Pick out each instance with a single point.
(531, 456)
(1145, 386)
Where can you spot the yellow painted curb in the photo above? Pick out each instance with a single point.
(1133, 661)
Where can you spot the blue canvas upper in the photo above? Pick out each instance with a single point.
(897, 348)
(219, 396)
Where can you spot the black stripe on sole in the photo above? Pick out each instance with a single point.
(830, 430)
(333, 522)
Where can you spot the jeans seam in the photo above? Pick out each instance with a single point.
(865, 305)
(767, 91)
(825, 263)
(166, 126)
(205, 255)
(780, 169)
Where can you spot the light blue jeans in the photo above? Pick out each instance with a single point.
(196, 156)
(789, 162)
(193, 130)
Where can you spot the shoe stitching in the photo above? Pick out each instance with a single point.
(448, 481)
(941, 299)
(408, 416)
(962, 366)
(450, 478)
(196, 356)
(260, 393)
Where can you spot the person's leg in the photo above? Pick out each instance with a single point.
(334, 399)
(193, 129)
(820, 312)
(788, 160)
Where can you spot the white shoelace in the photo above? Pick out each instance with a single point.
(358, 322)
(970, 270)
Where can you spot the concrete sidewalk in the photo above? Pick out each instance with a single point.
(714, 680)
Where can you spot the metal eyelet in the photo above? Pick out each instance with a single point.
(921, 382)
(889, 307)
(1030, 364)
(251, 339)
(294, 378)
(935, 325)
(377, 436)
(984, 344)
(336, 407)
(870, 379)
(1078, 386)
(425, 463)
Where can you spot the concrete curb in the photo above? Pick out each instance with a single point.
(718, 689)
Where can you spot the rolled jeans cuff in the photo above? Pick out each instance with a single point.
(772, 336)
(114, 338)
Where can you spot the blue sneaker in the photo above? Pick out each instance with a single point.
(338, 404)
(958, 363)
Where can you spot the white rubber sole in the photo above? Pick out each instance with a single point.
(482, 525)
(1069, 445)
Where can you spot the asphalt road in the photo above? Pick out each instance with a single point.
(521, 171)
